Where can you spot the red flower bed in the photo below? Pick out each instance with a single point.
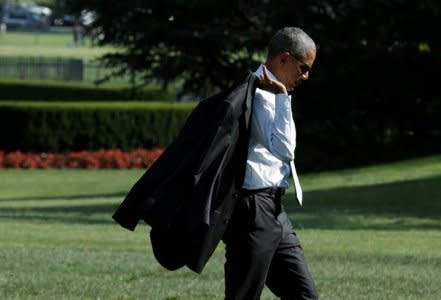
(114, 158)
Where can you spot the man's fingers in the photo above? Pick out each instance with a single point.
(270, 85)
(265, 78)
(265, 74)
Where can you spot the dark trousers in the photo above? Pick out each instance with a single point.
(262, 248)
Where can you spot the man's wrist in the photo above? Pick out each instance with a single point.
(284, 91)
(281, 89)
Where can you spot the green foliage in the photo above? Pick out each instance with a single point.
(210, 43)
(72, 91)
(87, 125)
(370, 233)
(57, 126)
(372, 89)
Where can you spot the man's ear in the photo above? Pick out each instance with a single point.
(283, 57)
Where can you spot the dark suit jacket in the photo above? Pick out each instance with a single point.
(187, 195)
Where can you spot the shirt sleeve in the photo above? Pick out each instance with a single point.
(274, 126)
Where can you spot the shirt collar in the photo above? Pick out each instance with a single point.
(259, 72)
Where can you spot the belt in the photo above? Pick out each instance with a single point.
(272, 191)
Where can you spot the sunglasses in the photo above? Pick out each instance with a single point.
(304, 68)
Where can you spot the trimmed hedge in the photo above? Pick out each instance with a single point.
(74, 91)
(60, 127)
(73, 126)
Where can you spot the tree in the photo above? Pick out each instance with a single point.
(373, 82)
(205, 44)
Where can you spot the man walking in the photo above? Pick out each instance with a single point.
(223, 177)
(261, 245)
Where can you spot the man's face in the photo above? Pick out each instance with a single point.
(295, 71)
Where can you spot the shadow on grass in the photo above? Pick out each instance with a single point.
(68, 219)
(357, 258)
(62, 212)
(73, 197)
(413, 204)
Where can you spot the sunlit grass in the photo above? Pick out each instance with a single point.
(367, 233)
(48, 45)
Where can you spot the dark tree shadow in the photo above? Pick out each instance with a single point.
(68, 219)
(61, 211)
(356, 207)
(385, 206)
(73, 197)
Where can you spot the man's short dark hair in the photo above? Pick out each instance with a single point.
(293, 40)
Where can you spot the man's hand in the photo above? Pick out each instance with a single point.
(269, 85)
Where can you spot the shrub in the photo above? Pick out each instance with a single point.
(62, 127)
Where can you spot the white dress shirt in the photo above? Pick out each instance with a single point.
(272, 140)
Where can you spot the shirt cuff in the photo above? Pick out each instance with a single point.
(283, 102)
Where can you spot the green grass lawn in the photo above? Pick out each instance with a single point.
(48, 44)
(368, 233)
(56, 45)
